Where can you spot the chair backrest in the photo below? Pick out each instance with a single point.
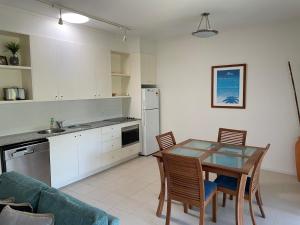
(184, 178)
(166, 140)
(230, 136)
(256, 171)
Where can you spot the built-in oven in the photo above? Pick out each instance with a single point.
(130, 135)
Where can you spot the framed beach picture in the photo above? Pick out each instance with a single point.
(228, 86)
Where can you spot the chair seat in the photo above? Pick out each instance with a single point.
(209, 187)
(231, 183)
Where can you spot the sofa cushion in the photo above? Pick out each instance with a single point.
(68, 210)
(22, 188)
(10, 216)
(7, 200)
(113, 220)
(24, 207)
(231, 183)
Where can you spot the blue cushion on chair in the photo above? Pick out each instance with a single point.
(209, 187)
(231, 183)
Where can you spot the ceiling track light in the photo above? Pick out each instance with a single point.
(60, 20)
(124, 39)
(206, 31)
(68, 9)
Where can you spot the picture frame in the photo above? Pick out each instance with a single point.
(228, 86)
(3, 60)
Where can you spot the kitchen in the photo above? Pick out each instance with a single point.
(84, 77)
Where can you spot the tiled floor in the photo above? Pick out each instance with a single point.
(130, 192)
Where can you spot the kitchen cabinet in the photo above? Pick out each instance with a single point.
(44, 61)
(102, 73)
(89, 151)
(148, 69)
(111, 138)
(69, 71)
(78, 155)
(74, 155)
(63, 159)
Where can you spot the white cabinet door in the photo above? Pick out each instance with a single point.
(86, 67)
(103, 73)
(148, 69)
(89, 151)
(69, 70)
(44, 61)
(64, 159)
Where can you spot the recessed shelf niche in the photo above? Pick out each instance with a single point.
(120, 72)
(11, 75)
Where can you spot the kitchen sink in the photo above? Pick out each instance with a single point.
(51, 131)
(78, 126)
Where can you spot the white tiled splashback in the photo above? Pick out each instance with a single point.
(24, 117)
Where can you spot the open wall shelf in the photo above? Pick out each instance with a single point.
(20, 75)
(120, 72)
(10, 67)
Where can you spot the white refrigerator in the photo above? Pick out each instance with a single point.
(150, 120)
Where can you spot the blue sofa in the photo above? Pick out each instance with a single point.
(44, 199)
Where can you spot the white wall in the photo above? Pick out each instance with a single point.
(25, 117)
(184, 76)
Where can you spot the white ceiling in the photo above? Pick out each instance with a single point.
(163, 18)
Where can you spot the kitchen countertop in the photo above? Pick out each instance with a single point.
(29, 136)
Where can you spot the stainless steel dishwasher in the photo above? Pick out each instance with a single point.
(30, 158)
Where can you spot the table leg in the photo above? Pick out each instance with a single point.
(239, 206)
(162, 188)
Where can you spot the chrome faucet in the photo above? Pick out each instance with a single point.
(60, 124)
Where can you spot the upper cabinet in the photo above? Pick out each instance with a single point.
(44, 60)
(102, 73)
(148, 69)
(69, 71)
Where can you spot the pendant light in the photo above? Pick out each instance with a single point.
(206, 31)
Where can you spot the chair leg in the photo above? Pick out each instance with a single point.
(190, 207)
(224, 199)
(202, 215)
(231, 197)
(206, 175)
(259, 195)
(251, 211)
(168, 212)
(185, 208)
(259, 202)
(214, 208)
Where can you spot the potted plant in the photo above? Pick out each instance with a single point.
(13, 47)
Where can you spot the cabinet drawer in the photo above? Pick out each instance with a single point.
(111, 136)
(111, 145)
(110, 129)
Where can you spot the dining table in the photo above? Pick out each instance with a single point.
(219, 158)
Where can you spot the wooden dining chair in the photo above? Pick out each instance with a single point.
(185, 184)
(233, 137)
(230, 136)
(166, 140)
(229, 185)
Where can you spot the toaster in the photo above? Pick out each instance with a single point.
(14, 93)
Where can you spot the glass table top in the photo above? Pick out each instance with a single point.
(187, 152)
(244, 151)
(204, 145)
(224, 160)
